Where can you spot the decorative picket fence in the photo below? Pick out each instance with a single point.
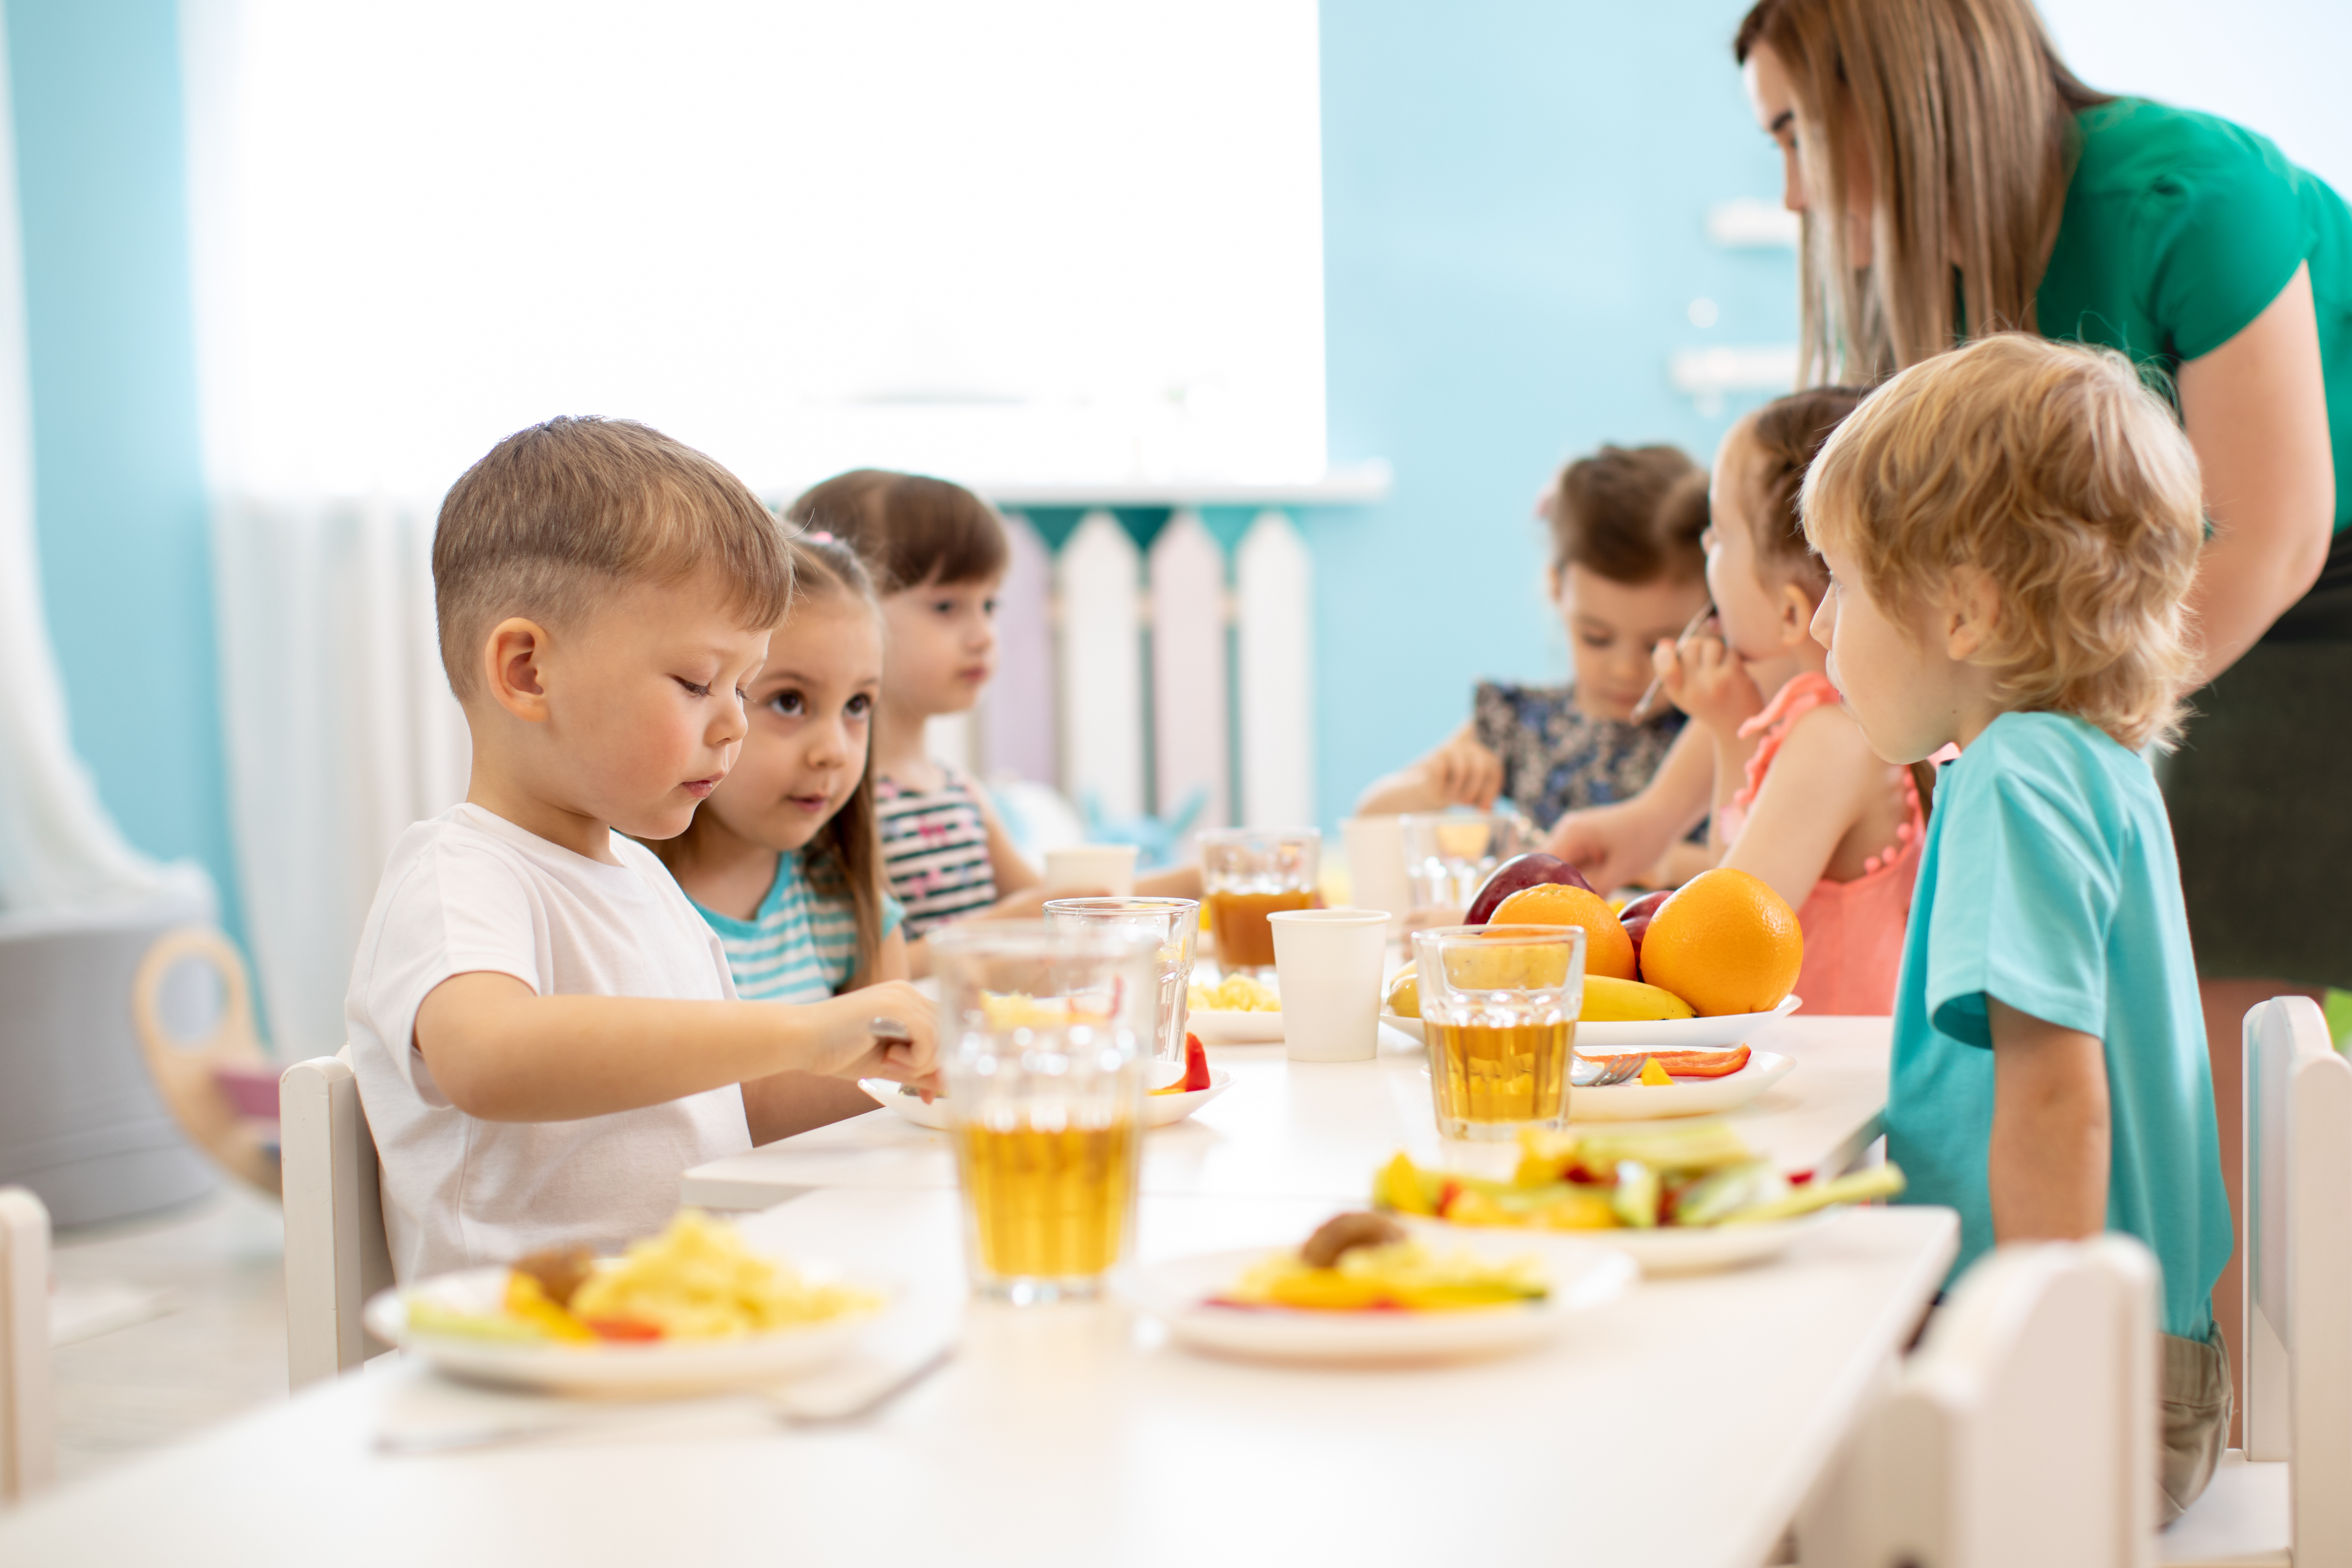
(1157, 649)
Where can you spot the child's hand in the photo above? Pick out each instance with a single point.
(1464, 772)
(1611, 845)
(1701, 676)
(849, 1048)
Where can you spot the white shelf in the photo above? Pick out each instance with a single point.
(1357, 484)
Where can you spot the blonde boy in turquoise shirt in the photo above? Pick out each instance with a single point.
(2011, 530)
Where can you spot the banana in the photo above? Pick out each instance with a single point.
(1607, 1000)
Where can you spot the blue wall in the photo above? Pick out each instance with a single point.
(118, 468)
(1514, 196)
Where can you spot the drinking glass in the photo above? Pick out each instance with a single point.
(1043, 1041)
(1448, 856)
(1248, 873)
(1173, 926)
(1498, 1006)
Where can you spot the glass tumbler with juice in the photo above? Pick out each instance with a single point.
(1173, 926)
(1045, 1036)
(1498, 1006)
(1247, 874)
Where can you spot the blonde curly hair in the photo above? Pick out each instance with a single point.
(2054, 471)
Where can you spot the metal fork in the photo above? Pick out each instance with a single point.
(1587, 1074)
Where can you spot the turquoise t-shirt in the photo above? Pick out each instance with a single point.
(2049, 882)
(801, 944)
(2179, 228)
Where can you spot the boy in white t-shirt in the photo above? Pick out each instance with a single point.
(543, 1028)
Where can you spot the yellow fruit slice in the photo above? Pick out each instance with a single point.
(1607, 1000)
(1656, 1075)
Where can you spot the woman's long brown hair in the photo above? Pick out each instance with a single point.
(1966, 115)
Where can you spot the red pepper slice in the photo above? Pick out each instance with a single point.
(628, 1329)
(1684, 1064)
(1196, 1065)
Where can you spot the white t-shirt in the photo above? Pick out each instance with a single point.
(469, 891)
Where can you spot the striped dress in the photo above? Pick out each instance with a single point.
(802, 945)
(934, 851)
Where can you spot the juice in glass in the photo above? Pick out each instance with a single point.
(1045, 1035)
(1247, 874)
(1498, 1006)
(1047, 1204)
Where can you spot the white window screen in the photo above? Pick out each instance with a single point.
(1059, 240)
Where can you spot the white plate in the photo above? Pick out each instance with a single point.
(1221, 1028)
(1158, 1109)
(1703, 1250)
(1684, 1097)
(640, 1371)
(1581, 1274)
(1658, 1035)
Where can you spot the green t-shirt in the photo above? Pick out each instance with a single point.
(2048, 881)
(2180, 227)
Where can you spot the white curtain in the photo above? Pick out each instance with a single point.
(59, 850)
(341, 728)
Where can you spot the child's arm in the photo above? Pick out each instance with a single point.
(2047, 1166)
(1825, 778)
(784, 1103)
(1701, 676)
(504, 1053)
(1182, 882)
(1461, 771)
(1614, 846)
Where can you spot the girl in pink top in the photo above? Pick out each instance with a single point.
(1800, 799)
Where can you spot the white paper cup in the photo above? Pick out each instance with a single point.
(1108, 868)
(1376, 862)
(1329, 965)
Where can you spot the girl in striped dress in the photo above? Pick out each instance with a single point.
(938, 553)
(782, 860)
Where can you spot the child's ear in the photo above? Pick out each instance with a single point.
(1552, 585)
(510, 668)
(1971, 614)
(1796, 611)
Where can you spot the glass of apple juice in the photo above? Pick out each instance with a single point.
(1045, 1041)
(1249, 873)
(1498, 1006)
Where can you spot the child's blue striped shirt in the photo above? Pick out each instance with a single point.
(802, 945)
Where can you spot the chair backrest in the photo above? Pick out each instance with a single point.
(2298, 1185)
(28, 1453)
(336, 1256)
(2022, 1435)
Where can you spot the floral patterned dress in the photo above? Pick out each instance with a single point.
(1557, 758)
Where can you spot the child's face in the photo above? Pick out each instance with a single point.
(642, 702)
(1755, 615)
(1896, 682)
(942, 645)
(812, 710)
(1612, 627)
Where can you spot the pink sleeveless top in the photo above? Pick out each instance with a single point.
(1854, 930)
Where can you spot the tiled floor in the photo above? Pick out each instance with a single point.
(218, 1351)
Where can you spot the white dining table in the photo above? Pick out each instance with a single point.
(1319, 1129)
(1680, 1424)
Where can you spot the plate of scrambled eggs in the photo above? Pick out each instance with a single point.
(1236, 1011)
(689, 1310)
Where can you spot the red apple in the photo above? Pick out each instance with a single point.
(1521, 871)
(1635, 916)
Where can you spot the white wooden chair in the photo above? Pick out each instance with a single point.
(2022, 1435)
(27, 1451)
(2287, 1496)
(336, 1256)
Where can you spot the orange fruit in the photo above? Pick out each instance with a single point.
(1726, 943)
(1607, 948)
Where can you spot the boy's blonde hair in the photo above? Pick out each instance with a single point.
(2055, 471)
(557, 514)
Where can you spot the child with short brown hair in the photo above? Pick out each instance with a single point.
(1626, 572)
(545, 1032)
(2011, 530)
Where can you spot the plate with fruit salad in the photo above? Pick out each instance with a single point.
(1238, 1010)
(1365, 1288)
(1681, 1200)
(1166, 1103)
(690, 1310)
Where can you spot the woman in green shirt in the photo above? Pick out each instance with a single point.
(1955, 178)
